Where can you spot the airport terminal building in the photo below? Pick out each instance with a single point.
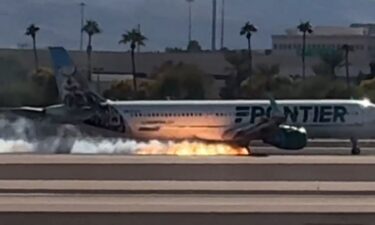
(326, 38)
(362, 38)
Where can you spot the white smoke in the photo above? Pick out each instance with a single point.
(13, 136)
(25, 136)
(117, 146)
(16, 146)
(104, 146)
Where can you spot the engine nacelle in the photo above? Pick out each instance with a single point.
(288, 138)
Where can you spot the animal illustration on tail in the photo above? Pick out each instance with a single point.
(76, 94)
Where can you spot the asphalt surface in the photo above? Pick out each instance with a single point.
(117, 189)
(189, 204)
(127, 188)
(174, 202)
(317, 151)
(159, 168)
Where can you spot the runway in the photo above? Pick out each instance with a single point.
(198, 204)
(184, 188)
(116, 189)
(246, 202)
(159, 168)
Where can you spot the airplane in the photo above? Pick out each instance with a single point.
(285, 124)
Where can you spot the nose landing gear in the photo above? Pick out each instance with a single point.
(355, 148)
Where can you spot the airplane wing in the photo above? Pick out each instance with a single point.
(56, 114)
(248, 132)
(272, 130)
(26, 112)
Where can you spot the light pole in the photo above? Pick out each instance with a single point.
(222, 24)
(213, 41)
(190, 18)
(82, 7)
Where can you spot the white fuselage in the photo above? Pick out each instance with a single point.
(208, 120)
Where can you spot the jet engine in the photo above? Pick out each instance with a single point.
(288, 138)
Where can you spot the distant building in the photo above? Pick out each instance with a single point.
(369, 26)
(328, 38)
(360, 36)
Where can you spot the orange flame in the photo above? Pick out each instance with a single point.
(192, 149)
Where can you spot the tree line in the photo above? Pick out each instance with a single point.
(184, 81)
(132, 37)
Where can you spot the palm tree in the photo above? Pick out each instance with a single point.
(90, 28)
(247, 30)
(31, 31)
(305, 28)
(347, 49)
(135, 38)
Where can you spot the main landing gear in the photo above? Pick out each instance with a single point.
(355, 148)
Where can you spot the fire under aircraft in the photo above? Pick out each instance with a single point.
(285, 124)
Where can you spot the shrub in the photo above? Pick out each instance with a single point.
(17, 88)
(120, 90)
(181, 81)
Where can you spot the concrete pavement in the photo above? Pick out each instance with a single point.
(189, 204)
(155, 190)
(192, 209)
(185, 187)
(154, 168)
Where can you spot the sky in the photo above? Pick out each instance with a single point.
(165, 22)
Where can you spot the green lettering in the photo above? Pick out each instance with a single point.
(291, 115)
(306, 110)
(257, 112)
(326, 114)
(316, 114)
(339, 114)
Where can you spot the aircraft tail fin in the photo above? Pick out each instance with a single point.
(73, 88)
